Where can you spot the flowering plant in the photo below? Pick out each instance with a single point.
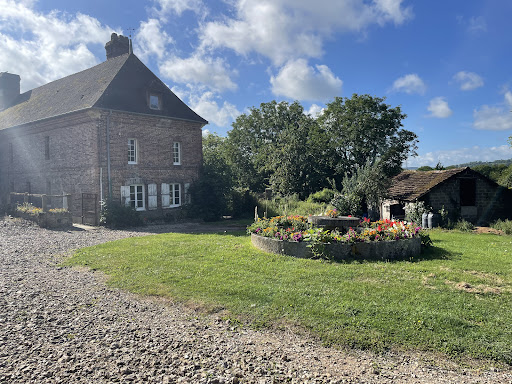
(332, 213)
(58, 210)
(296, 228)
(29, 208)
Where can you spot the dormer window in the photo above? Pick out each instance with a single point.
(154, 101)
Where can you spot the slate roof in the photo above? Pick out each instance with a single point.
(121, 83)
(411, 185)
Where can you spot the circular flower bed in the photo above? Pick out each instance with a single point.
(325, 243)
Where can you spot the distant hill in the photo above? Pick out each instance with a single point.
(491, 163)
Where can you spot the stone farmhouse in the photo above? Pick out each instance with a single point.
(111, 131)
(463, 192)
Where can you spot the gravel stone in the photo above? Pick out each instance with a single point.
(64, 325)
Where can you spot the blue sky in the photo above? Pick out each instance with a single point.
(446, 63)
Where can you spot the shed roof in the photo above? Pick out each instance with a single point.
(411, 185)
(120, 83)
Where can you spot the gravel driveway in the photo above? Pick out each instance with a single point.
(64, 325)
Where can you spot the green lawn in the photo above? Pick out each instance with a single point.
(456, 299)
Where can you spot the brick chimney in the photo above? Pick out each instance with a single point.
(117, 46)
(9, 89)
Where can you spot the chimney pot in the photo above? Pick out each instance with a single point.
(9, 89)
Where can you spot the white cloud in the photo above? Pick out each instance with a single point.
(394, 11)
(477, 24)
(468, 80)
(151, 39)
(315, 110)
(297, 80)
(214, 73)
(53, 45)
(285, 30)
(494, 118)
(167, 7)
(206, 132)
(207, 106)
(461, 156)
(409, 84)
(438, 107)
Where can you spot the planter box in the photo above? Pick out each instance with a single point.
(49, 219)
(376, 250)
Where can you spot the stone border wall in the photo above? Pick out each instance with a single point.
(375, 250)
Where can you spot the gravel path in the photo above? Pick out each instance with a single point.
(64, 325)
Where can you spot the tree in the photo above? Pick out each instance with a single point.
(211, 193)
(363, 190)
(364, 128)
(275, 145)
(439, 166)
(425, 168)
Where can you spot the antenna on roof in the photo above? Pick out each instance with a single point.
(130, 31)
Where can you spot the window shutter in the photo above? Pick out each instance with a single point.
(125, 195)
(187, 193)
(165, 195)
(152, 196)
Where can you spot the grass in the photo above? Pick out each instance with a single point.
(290, 206)
(455, 299)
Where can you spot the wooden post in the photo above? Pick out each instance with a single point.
(25, 198)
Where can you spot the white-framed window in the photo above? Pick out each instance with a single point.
(134, 196)
(176, 153)
(132, 151)
(171, 195)
(154, 101)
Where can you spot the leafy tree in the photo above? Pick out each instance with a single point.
(364, 128)
(211, 193)
(506, 177)
(492, 171)
(425, 168)
(279, 145)
(275, 145)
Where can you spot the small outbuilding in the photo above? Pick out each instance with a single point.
(462, 192)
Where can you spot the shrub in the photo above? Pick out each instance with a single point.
(323, 196)
(464, 226)
(241, 202)
(347, 204)
(503, 225)
(209, 201)
(414, 211)
(116, 215)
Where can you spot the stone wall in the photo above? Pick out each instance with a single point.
(155, 137)
(53, 156)
(376, 250)
(492, 201)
